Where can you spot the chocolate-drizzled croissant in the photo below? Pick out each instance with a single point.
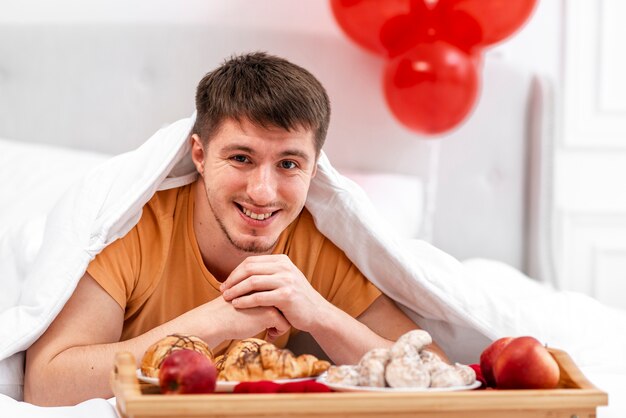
(156, 353)
(253, 359)
(311, 366)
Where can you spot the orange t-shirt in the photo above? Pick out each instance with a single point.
(156, 273)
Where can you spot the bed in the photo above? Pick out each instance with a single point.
(83, 93)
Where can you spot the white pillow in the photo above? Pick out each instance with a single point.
(33, 177)
(399, 199)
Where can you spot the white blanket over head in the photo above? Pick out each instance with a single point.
(462, 305)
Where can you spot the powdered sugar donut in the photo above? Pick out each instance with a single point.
(343, 375)
(372, 367)
(467, 374)
(446, 377)
(432, 362)
(410, 344)
(402, 372)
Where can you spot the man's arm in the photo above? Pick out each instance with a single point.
(273, 280)
(345, 339)
(72, 360)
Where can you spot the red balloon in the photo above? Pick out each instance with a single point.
(402, 32)
(481, 23)
(362, 20)
(432, 88)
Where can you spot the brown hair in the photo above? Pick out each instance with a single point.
(268, 91)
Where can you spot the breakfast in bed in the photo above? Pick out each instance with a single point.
(182, 363)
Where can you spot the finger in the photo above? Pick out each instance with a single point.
(273, 333)
(256, 299)
(270, 335)
(252, 284)
(264, 258)
(255, 265)
(281, 326)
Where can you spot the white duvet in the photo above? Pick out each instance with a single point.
(464, 305)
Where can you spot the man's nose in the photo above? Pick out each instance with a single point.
(262, 185)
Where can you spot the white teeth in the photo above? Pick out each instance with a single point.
(257, 216)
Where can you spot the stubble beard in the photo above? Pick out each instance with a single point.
(253, 247)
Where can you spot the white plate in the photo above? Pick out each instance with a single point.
(347, 388)
(220, 386)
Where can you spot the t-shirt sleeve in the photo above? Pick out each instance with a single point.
(115, 268)
(341, 282)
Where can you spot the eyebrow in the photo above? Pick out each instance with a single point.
(294, 153)
(235, 147)
(284, 154)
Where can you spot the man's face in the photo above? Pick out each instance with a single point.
(256, 182)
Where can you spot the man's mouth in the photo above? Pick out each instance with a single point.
(254, 215)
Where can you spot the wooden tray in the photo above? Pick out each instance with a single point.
(575, 397)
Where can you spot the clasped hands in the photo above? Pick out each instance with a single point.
(274, 281)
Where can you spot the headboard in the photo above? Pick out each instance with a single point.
(107, 87)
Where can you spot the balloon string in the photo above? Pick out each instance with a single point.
(430, 201)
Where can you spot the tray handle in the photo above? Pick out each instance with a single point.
(570, 374)
(123, 377)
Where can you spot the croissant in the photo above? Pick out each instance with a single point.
(156, 353)
(240, 352)
(311, 366)
(281, 361)
(219, 362)
(253, 359)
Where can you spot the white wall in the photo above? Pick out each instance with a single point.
(590, 202)
(284, 14)
(536, 46)
(579, 45)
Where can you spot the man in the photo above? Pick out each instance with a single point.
(230, 256)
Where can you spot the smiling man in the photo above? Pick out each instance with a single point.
(230, 256)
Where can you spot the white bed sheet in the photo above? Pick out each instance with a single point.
(93, 408)
(501, 281)
(507, 287)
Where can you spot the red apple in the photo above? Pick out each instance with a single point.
(187, 371)
(525, 364)
(488, 359)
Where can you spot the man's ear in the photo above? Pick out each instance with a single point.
(197, 153)
(317, 160)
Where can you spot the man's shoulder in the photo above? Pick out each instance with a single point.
(159, 213)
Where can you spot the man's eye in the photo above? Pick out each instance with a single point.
(240, 158)
(288, 165)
